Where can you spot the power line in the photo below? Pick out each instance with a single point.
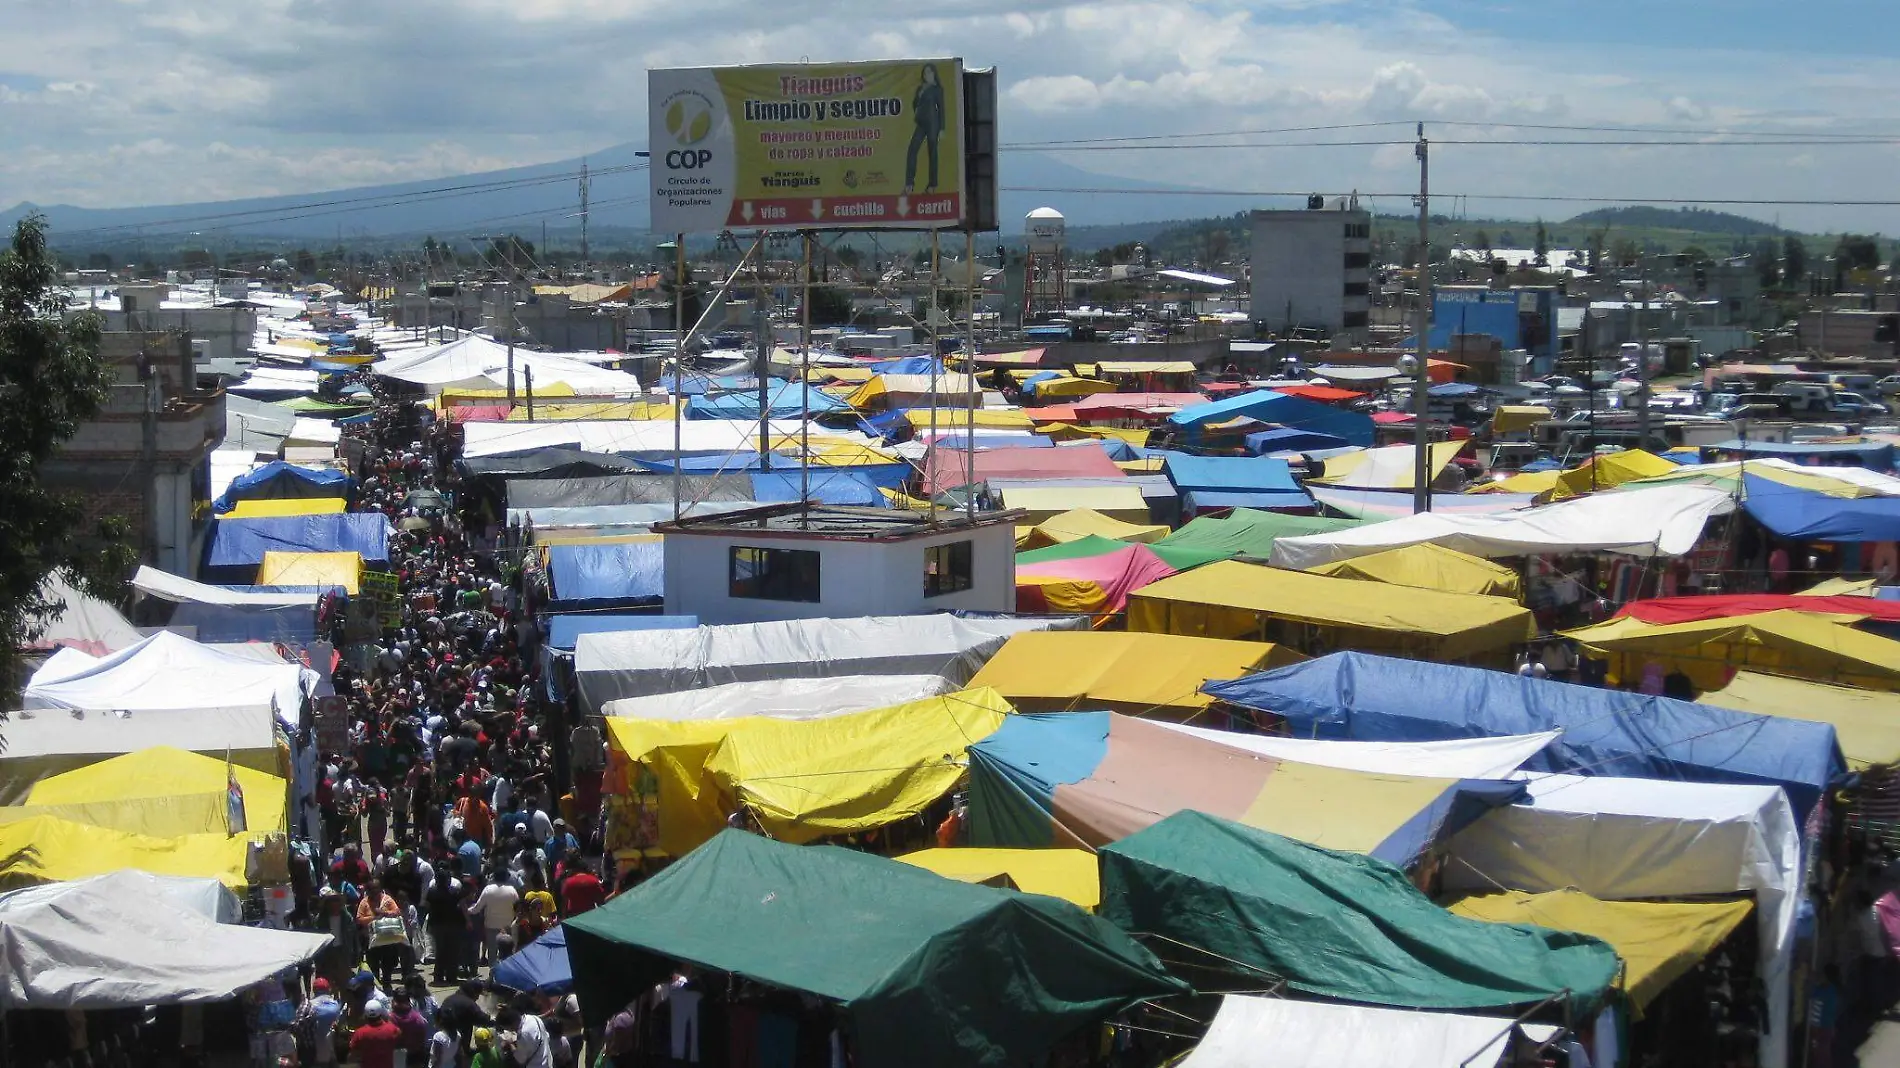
(1759, 202)
(1503, 142)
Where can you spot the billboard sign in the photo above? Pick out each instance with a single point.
(807, 146)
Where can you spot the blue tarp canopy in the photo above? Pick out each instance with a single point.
(1288, 439)
(890, 476)
(1269, 407)
(692, 385)
(1873, 455)
(784, 400)
(278, 480)
(889, 425)
(1362, 697)
(1195, 502)
(1210, 482)
(907, 365)
(828, 485)
(238, 545)
(540, 967)
(565, 630)
(615, 571)
(1808, 515)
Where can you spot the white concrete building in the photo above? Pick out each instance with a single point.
(789, 561)
(1312, 271)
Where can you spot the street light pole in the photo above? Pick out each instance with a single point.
(1421, 437)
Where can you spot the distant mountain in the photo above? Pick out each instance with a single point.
(521, 198)
(1644, 216)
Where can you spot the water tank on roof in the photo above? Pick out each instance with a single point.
(1045, 229)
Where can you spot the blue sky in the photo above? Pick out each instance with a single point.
(156, 101)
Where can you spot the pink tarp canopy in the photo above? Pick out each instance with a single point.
(1088, 583)
(1067, 461)
(1105, 404)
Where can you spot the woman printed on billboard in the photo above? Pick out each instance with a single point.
(926, 108)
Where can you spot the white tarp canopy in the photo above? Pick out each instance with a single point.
(205, 896)
(784, 698)
(167, 672)
(1622, 839)
(312, 431)
(616, 665)
(109, 943)
(83, 621)
(652, 438)
(1324, 1034)
(476, 362)
(1460, 758)
(1391, 467)
(45, 742)
(169, 587)
(1664, 521)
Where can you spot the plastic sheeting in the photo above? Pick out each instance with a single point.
(911, 960)
(1362, 697)
(1372, 504)
(1235, 600)
(1125, 505)
(1090, 585)
(166, 673)
(206, 897)
(81, 621)
(1817, 648)
(1809, 515)
(1248, 534)
(1867, 722)
(825, 485)
(1665, 521)
(44, 743)
(610, 667)
(565, 630)
(344, 570)
(476, 362)
(1633, 839)
(804, 779)
(618, 572)
(1319, 1034)
(1659, 941)
(783, 698)
(272, 509)
(1465, 758)
(1336, 925)
(635, 488)
(157, 775)
(279, 480)
(46, 849)
(1057, 671)
(168, 587)
(540, 967)
(1069, 874)
(1268, 406)
(112, 943)
(1391, 467)
(1669, 610)
(238, 545)
(1090, 778)
(1079, 523)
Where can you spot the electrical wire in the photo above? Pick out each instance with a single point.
(1754, 201)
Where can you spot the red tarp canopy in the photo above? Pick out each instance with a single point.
(1322, 394)
(1667, 610)
(1052, 413)
(1388, 418)
(479, 413)
(1102, 404)
(1065, 461)
(1116, 574)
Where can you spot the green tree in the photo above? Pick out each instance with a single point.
(53, 380)
(1481, 240)
(1794, 258)
(1625, 252)
(1857, 252)
(830, 306)
(1541, 245)
(1767, 262)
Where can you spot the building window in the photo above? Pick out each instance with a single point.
(1358, 231)
(1353, 320)
(1357, 260)
(1355, 289)
(773, 574)
(947, 569)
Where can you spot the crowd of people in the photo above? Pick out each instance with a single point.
(448, 831)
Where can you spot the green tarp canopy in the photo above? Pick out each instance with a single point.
(1337, 925)
(1247, 533)
(925, 970)
(1176, 557)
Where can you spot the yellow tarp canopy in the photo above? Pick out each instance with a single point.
(1047, 671)
(1429, 567)
(1390, 467)
(1814, 647)
(552, 389)
(803, 779)
(1236, 600)
(161, 773)
(1050, 388)
(1133, 435)
(1070, 874)
(1659, 942)
(1522, 482)
(1510, 418)
(1839, 587)
(570, 411)
(827, 453)
(311, 569)
(959, 418)
(1730, 474)
(1867, 722)
(1079, 523)
(285, 506)
(49, 850)
(1043, 503)
(1608, 470)
(951, 387)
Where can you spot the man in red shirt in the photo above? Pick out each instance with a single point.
(374, 1044)
(581, 891)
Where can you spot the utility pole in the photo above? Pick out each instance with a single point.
(584, 190)
(1421, 396)
(1642, 358)
(762, 332)
(508, 324)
